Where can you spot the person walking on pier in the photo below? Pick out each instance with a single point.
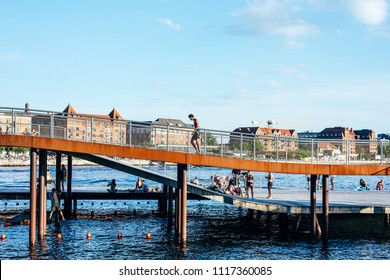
(270, 179)
(249, 183)
(55, 203)
(332, 177)
(196, 135)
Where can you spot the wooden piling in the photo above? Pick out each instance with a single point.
(42, 194)
(313, 201)
(325, 206)
(33, 197)
(183, 182)
(58, 172)
(170, 207)
(68, 201)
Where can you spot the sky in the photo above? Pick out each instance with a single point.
(306, 64)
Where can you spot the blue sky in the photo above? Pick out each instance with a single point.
(308, 64)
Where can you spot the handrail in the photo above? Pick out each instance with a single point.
(102, 129)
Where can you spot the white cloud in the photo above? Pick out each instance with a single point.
(370, 12)
(10, 57)
(275, 18)
(169, 23)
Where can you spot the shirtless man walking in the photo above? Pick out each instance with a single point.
(195, 136)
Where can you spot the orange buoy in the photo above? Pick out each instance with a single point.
(59, 235)
(89, 235)
(148, 236)
(3, 237)
(120, 235)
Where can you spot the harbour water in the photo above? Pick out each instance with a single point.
(215, 231)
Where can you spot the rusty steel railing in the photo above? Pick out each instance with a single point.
(175, 137)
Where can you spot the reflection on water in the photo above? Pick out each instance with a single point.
(214, 230)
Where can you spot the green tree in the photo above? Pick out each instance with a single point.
(211, 140)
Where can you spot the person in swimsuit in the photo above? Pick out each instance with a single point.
(195, 136)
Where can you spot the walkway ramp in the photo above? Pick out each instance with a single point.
(254, 204)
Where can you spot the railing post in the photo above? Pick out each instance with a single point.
(204, 142)
(221, 145)
(318, 152)
(52, 125)
(286, 149)
(254, 147)
(241, 145)
(155, 137)
(130, 127)
(382, 151)
(189, 141)
(312, 150)
(13, 122)
(91, 129)
(168, 137)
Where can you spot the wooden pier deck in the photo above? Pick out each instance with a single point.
(290, 201)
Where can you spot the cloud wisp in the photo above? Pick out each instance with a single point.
(169, 23)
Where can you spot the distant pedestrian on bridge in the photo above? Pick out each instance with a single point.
(196, 135)
(270, 179)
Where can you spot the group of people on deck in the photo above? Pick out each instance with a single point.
(140, 186)
(380, 186)
(231, 186)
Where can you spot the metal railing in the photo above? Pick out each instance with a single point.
(96, 129)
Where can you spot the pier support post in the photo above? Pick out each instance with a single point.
(387, 219)
(58, 172)
(68, 201)
(33, 197)
(182, 202)
(164, 201)
(325, 206)
(42, 194)
(170, 207)
(313, 201)
(177, 209)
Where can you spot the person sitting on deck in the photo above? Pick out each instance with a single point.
(380, 186)
(221, 182)
(233, 189)
(139, 184)
(112, 186)
(363, 185)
